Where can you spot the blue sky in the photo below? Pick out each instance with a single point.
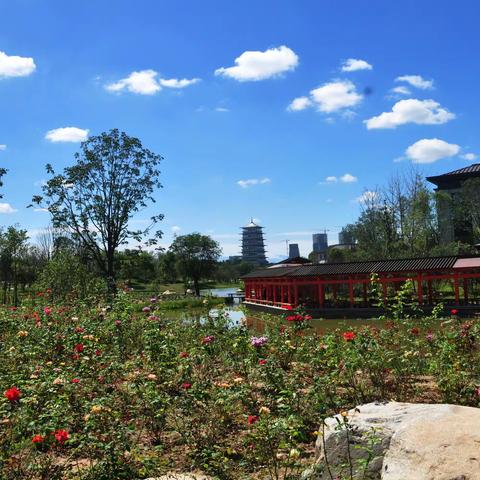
(306, 121)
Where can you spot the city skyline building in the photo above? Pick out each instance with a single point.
(293, 250)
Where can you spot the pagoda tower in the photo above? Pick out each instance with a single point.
(253, 245)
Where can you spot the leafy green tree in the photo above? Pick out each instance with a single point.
(166, 267)
(196, 257)
(470, 199)
(113, 178)
(13, 247)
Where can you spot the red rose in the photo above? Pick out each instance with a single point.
(454, 311)
(75, 380)
(262, 361)
(79, 347)
(98, 352)
(291, 318)
(307, 317)
(287, 307)
(252, 419)
(184, 355)
(208, 339)
(38, 439)
(79, 329)
(415, 331)
(349, 336)
(61, 436)
(186, 386)
(12, 394)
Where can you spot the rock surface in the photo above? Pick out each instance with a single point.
(401, 441)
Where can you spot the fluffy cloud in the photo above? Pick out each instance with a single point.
(347, 178)
(145, 82)
(354, 64)
(253, 181)
(175, 229)
(429, 150)
(222, 109)
(3, 147)
(421, 112)
(416, 81)
(176, 83)
(256, 65)
(14, 66)
(66, 134)
(300, 103)
(7, 208)
(469, 156)
(330, 97)
(401, 90)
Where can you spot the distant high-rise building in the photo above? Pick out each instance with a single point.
(293, 250)
(253, 245)
(320, 242)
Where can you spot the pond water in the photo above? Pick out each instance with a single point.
(219, 292)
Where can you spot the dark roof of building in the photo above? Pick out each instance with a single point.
(350, 268)
(294, 261)
(461, 173)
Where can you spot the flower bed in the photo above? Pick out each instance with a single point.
(122, 392)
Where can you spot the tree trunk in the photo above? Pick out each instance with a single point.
(111, 283)
(196, 287)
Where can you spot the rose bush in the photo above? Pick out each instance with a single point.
(102, 392)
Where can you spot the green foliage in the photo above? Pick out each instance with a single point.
(196, 256)
(139, 393)
(113, 178)
(68, 278)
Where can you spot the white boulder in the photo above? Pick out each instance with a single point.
(400, 441)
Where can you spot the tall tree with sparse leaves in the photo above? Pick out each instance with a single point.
(114, 177)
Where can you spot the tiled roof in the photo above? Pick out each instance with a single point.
(475, 168)
(350, 268)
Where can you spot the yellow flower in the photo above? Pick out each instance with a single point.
(264, 410)
(58, 381)
(238, 379)
(151, 376)
(294, 453)
(22, 333)
(344, 413)
(96, 409)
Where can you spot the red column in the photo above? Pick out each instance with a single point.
(420, 288)
(430, 292)
(457, 290)
(350, 291)
(282, 293)
(295, 294)
(289, 294)
(274, 294)
(321, 295)
(465, 290)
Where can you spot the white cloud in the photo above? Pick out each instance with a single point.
(40, 209)
(331, 179)
(416, 81)
(354, 64)
(66, 134)
(253, 181)
(222, 109)
(142, 83)
(145, 82)
(14, 66)
(300, 103)
(176, 83)
(348, 178)
(176, 229)
(368, 196)
(469, 156)
(7, 208)
(401, 90)
(330, 97)
(430, 150)
(421, 112)
(3, 147)
(257, 65)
